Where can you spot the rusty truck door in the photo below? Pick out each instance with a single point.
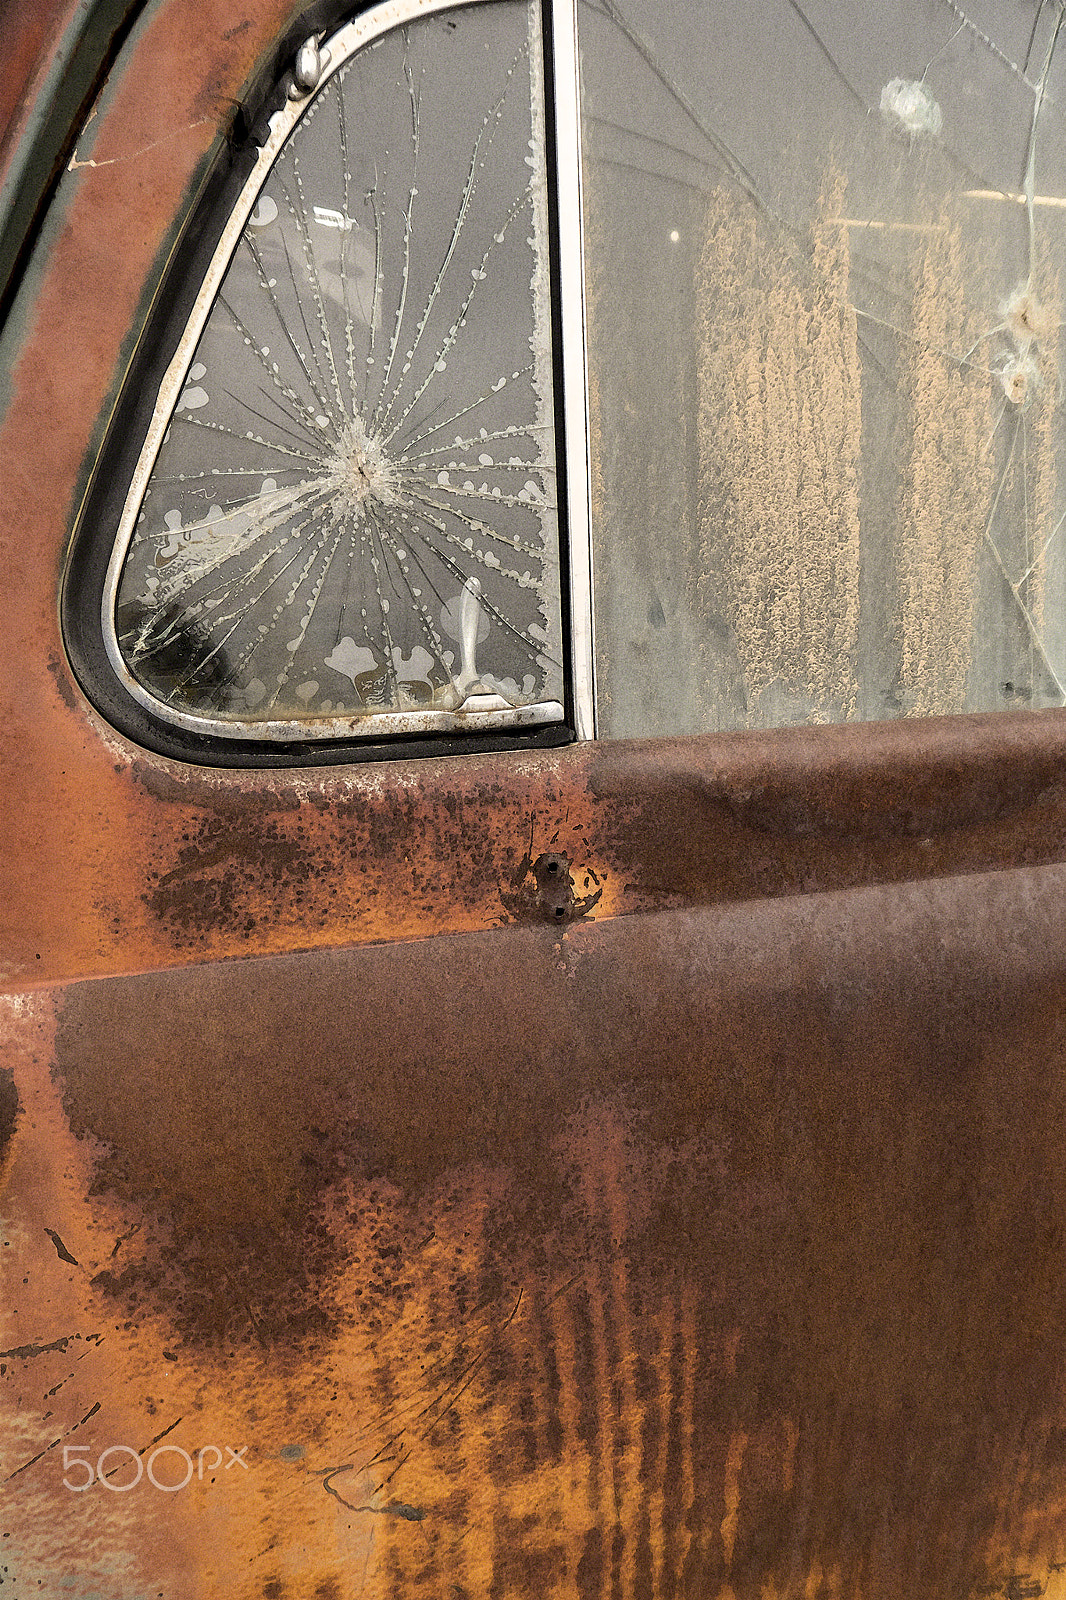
(621, 1166)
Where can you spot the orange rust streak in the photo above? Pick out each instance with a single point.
(580, 1509)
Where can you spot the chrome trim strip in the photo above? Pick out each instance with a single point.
(575, 382)
(466, 718)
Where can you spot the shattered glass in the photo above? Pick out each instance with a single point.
(353, 511)
(825, 248)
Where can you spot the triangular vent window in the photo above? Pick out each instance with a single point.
(345, 520)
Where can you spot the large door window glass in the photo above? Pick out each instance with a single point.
(826, 257)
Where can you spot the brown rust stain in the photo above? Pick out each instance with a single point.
(543, 889)
(699, 821)
(188, 865)
(426, 848)
(728, 1255)
(9, 1109)
(372, 853)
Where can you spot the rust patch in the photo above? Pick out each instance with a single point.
(29, 32)
(543, 890)
(173, 785)
(355, 855)
(9, 1107)
(64, 686)
(591, 1309)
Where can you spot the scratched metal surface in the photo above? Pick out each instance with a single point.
(629, 1170)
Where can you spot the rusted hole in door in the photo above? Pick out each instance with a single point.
(555, 886)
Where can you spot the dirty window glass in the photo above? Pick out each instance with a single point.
(826, 250)
(346, 519)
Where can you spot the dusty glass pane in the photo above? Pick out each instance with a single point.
(353, 509)
(825, 251)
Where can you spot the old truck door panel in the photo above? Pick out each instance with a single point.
(629, 1167)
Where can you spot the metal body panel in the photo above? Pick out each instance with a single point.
(56, 53)
(630, 1169)
(727, 1260)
